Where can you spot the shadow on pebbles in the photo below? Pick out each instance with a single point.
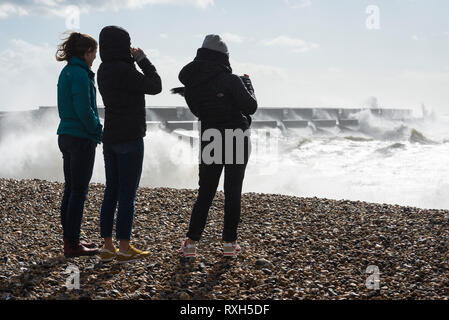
(293, 248)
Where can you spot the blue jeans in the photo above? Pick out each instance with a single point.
(123, 164)
(79, 159)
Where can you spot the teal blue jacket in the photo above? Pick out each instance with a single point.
(77, 103)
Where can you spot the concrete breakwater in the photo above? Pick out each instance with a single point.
(174, 118)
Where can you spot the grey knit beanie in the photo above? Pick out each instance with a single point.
(214, 42)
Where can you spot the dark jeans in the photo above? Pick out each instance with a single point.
(79, 159)
(123, 164)
(209, 178)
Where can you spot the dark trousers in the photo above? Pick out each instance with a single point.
(209, 178)
(123, 164)
(79, 159)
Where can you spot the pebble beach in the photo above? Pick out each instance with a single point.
(293, 249)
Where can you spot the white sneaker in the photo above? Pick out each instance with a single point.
(231, 249)
(187, 250)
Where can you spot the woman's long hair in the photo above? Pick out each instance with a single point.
(75, 45)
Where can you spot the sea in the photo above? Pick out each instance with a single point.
(403, 162)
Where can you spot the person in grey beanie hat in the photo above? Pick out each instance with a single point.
(214, 42)
(221, 101)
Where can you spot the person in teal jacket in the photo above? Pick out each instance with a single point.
(79, 131)
(77, 102)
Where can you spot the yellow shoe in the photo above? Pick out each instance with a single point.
(132, 255)
(107, 255)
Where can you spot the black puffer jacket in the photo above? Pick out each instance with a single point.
(123, 87)
(217, 97)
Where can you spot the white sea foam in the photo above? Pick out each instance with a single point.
(385, 161)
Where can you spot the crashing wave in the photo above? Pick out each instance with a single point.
(390, 149)
(418, 137)
(359, 139)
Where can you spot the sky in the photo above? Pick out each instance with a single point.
(299, 53)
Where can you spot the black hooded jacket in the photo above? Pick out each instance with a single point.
(217, 97)
(123, 87)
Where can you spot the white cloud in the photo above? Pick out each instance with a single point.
(163, 36)
(29, 75)
(33, 69)
(59, 7)
(7, 9)
(298, 4)
(297, 45)
(231, 37)
(263, 76)
(415, 37)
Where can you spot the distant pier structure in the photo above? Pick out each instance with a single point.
(180, 118)
(174, 118)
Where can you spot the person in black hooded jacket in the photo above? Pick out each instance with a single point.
(222, 101)
(123, 89)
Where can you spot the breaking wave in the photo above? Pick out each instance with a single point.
(361, 164)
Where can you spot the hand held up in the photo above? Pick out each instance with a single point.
(137, 54)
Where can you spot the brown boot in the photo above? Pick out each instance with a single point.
(67, 247)
(89, 245)
(77, 250)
